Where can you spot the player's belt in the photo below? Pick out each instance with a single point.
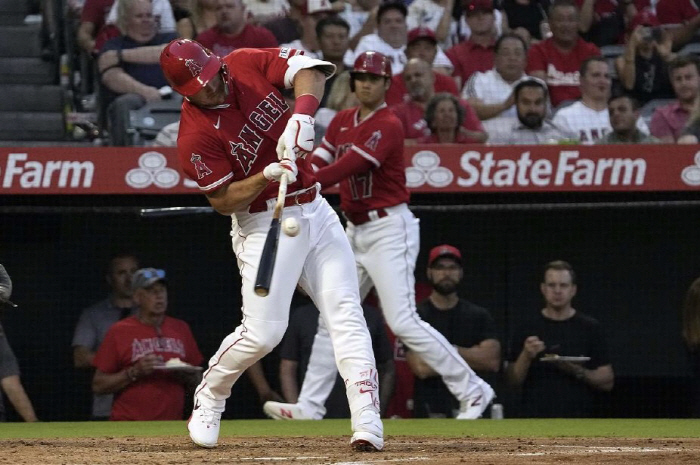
(295, 198)
(358, 218)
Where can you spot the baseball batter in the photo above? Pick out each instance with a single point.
(363, 151)
(236, 139)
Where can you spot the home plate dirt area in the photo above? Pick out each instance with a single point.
(336, 450)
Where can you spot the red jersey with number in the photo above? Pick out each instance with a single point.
(378, 138)
(158, 396)
(236, 140)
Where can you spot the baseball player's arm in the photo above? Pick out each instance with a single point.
(237, 195)
(484, 356)
(288, 379)
(517, 370)
(18, 397)
(257, 378)
(350, 163)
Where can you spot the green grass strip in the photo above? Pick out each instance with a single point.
(526, 428)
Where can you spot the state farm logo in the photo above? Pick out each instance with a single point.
(691, 174)
(152, 170)
(426, 168)
(22, 172)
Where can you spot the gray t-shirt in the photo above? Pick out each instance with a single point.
(91, 329)
(518, 134)
(8, 366)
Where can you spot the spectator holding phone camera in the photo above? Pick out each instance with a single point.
(643, 67)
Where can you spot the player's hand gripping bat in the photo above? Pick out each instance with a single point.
(269, 252)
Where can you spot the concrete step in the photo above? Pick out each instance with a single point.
(20, 41)
(27, 98)
(14, 6)
(27, 71)
(31, 126)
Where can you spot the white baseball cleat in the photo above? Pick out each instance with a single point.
(369, 432)
(474, 405)
(282, 411)
(204, 425)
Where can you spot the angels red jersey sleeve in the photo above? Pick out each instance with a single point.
(204, 159)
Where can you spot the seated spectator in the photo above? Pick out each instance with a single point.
(528, 18)
(261, 11)
(232, 30)
(467, 326)
(421, 44)
(200, 18)
(10, 382)
(460, 30)
(92, 19)
(435, 15)
(691, 131)
(602, 22)
(287, 28)
(128, 360)
(340, 97)
(333, 35)
(420, 82)
(308, 42)
(553, 388)
(624, 119)
(531, 126)
(162, 15)
(490, 93)
(588, 118)
(643, 67)
(444, 117)
(683, 14)
(668, 121)
(361, 16)
(475, 53)
(558, 59)
(129, 66)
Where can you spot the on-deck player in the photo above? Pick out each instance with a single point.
(363, 151)
(232, 119)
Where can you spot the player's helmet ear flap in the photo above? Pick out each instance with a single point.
(188, 66)
(370, 62)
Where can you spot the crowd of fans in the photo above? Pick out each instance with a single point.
(465, 59)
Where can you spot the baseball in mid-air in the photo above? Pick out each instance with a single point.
(290, 227)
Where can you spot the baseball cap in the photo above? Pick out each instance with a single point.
(478, 5)
(146, 277)
(318, 6)
(444, 250)
(644, 17)
(421, 33)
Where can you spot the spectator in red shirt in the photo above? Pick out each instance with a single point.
(131, 360)
(420, 78)
(558, 59)
(476, 53)
(92, 19)
(421, 44)
(444, 116)
(684, 14)
(668, 121)
(232, 31)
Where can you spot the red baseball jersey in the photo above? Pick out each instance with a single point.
(158, 396)
(378, 139)
(238, 139)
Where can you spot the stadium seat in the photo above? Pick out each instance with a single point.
(147, 121)
(612, 51)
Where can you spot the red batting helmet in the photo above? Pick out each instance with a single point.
(188, 66)
(372, 63)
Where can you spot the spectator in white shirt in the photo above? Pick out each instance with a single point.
(491, 93)
(162, 13)
(588, 118)
(361, 16)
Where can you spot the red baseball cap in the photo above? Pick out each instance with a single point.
(421, 33)
(444, 250)
(645, 17)
(470, 6)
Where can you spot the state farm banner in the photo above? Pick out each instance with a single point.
(429, 168)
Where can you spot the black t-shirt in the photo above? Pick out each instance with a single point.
(526, 16)
(651, 79)
(465, 325)
(299, 339)
(547, 391)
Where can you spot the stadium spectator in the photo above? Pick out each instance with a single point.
(643, 67)
(9, 368)
(465, 325)
(201, 17)
(691, 337)
(490, 93)
(435, 15)
(129, 361)
(361, 16)
(444, 117)
(92, 19)
(558, 59)
(232, 31)
(95, 320)
(668, 121)
(531, 126)
(588, 118)
(333, 35)
(260, 11)
(420, 82)
(624, 120)
(340, 97)
(421, 44)
(602, 22)
(551, 387)
(287, 28)
(129, 66)
(391, 36)
(475, 53)
(308, 42)
(528, 18)
(682, 15)
(691, 131)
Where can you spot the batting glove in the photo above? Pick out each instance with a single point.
(274, 171)
(298, 137)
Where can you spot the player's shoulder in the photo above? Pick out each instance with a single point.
(387, 117)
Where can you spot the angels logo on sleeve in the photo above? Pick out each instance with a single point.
(200, 167)
(373, 141)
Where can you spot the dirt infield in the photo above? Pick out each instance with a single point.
(335, 450)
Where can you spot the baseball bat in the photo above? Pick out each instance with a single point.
(269, 252)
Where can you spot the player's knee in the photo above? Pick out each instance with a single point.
(270, 338)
